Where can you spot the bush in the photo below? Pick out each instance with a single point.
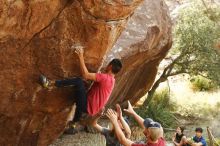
(197, 111)
(160, 109)
(200, 83)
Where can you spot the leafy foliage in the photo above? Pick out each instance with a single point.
(200, 83)
(194, 38)
(193, 52)
(160, 109)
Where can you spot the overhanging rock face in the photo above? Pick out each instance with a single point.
(142, 45)
(35, 38)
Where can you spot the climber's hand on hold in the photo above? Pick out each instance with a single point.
(85, 73)
(79, 51)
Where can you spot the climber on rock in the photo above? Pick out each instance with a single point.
(94, 100)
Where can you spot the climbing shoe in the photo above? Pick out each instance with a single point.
(74, 128)
(44, 81)
(70, 131)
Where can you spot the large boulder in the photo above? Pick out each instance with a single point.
(142, 45)
(35, 38)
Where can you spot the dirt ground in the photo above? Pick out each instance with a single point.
(81, 139)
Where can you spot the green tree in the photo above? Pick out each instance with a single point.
(195, 35)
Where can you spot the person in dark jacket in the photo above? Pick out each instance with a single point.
(179, 139)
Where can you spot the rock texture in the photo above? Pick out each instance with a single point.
(35, 37)
(142, 45)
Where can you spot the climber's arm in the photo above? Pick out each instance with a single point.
(120, 135)
(85, 73)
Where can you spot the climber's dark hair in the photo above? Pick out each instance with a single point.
(116, 65)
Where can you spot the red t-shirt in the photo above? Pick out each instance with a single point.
(161, 142)
(99, 93)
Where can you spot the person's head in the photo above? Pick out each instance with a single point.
(180, 130)
(114, 66)
(198, 131)
(152, 129)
